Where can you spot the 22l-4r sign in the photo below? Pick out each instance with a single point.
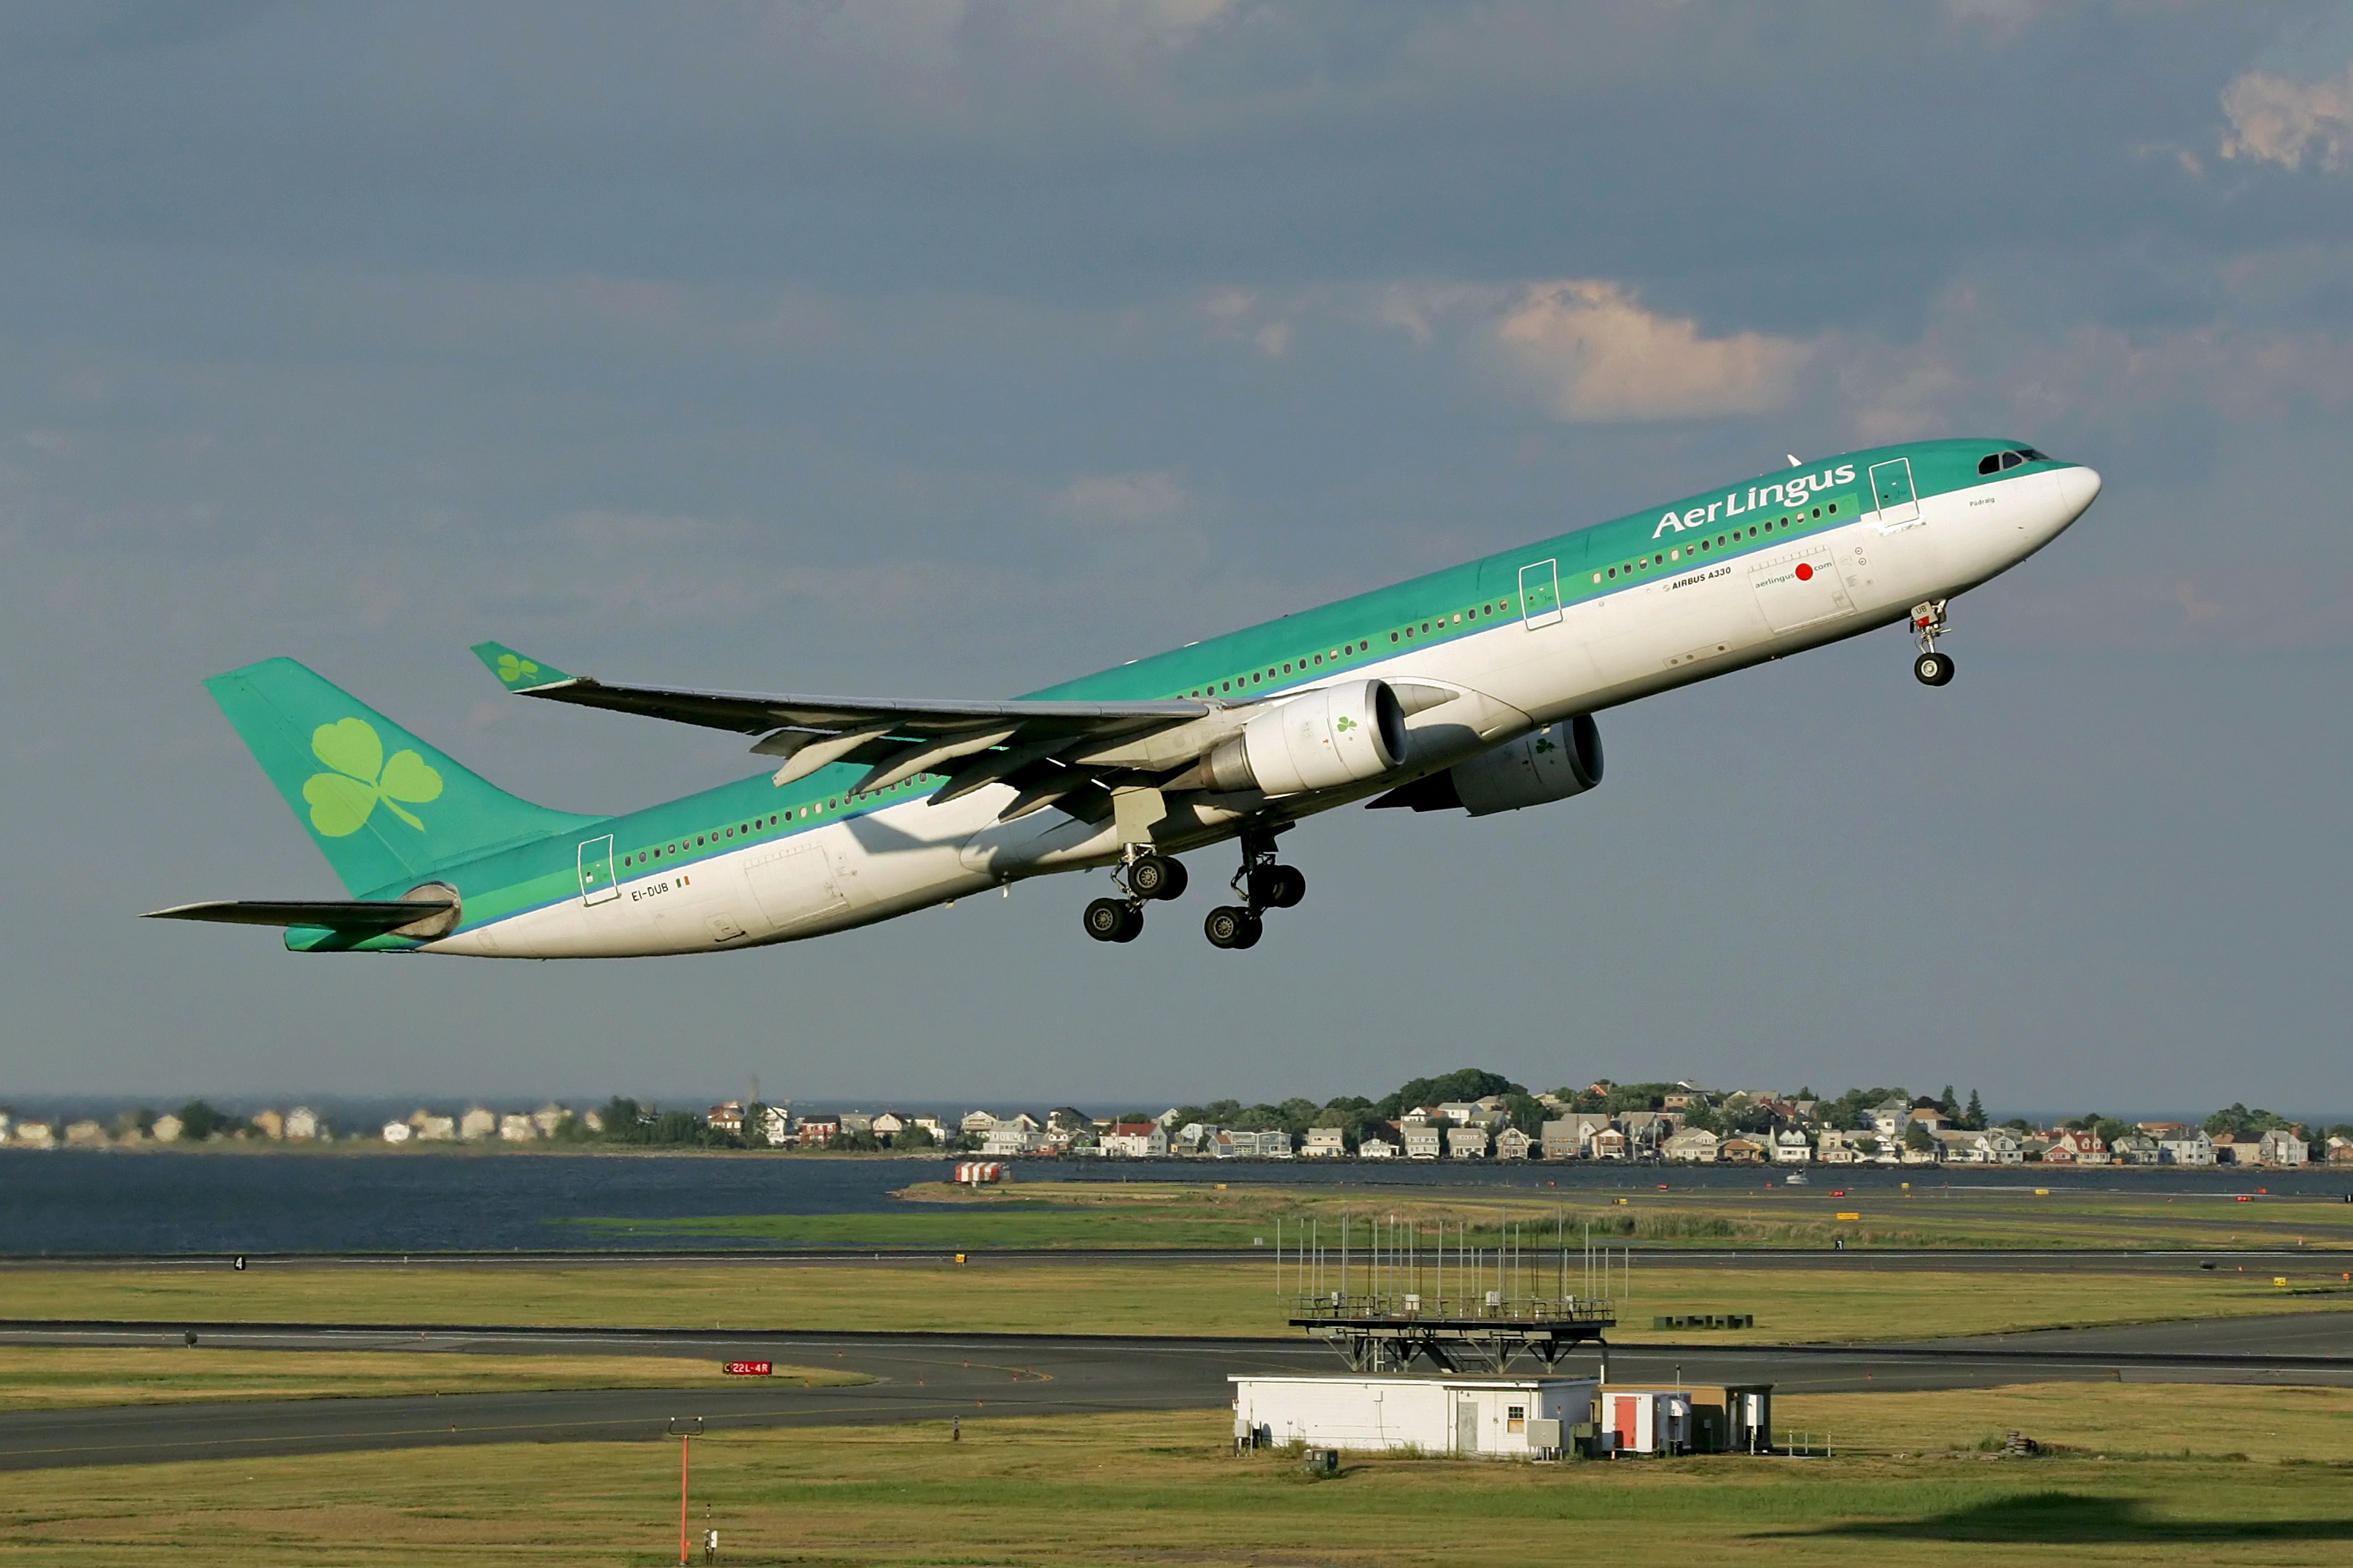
(747, 1368)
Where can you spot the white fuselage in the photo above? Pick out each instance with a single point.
(1671, 629)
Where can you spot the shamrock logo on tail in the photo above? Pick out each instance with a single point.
(342, 801)
(513, 669)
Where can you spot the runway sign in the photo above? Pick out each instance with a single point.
(747, 1368)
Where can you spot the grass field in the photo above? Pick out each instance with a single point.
(1993, 1209)
(1164, 1489)
(1207, 1297)
(42, 1377)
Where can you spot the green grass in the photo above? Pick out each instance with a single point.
(1935, 1212)
(1159, 1488)
(1145, 1298)
(44, 1377)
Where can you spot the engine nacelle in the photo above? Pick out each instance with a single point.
(1336, 735)
(1547, 764)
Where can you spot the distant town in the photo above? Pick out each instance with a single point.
(1467, 1115)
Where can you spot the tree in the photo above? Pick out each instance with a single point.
(914, 1137)
(1973, 1118)
(2241, 1122)
(1462, 1084)
(1917, 1136)
(199, 1120)
(1950, 1106)
(1526, 1112)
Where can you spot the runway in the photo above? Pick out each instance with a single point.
(935, 1377)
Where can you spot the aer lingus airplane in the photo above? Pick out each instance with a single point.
(1470, 689)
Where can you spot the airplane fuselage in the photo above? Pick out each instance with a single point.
(1515, 642)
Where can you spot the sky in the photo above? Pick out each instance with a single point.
(948, 348)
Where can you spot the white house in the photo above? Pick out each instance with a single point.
(1135, 1140)
(1791, 1147)
(1325, 1143)
(2281, 1146)
(1468, 1141)
(1835, 1146)
(394, 1131)
(167, 1129)
(301, 1124)
(1376, 1148)
(515, 1127)
(1693, 1145)
(1013, 1136)
(1422, 1141)
(479, 1122)
(1512, 1143)
(776, 1125)
(2192, 1148)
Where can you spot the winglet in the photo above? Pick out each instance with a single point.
(515, 672)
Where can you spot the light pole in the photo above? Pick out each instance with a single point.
(685, 1428)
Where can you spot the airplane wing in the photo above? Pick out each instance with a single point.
(1048, 751)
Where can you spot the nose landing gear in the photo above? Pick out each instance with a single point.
(1928, 624)
(1143, 878)
(1264, 885)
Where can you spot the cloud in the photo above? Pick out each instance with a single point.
(1123, 499)
(1601, 357)
(2274, 120)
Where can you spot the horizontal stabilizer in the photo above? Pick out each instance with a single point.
(368, 915)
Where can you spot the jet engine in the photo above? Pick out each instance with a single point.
(1335, 735)
(1551, 764)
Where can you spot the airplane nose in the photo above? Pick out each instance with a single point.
(2080, 487)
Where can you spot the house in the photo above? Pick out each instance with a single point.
(1994, 1146)
(1696, 1145)
(2073, 1147)
(516, 1128)
(166, 1130)
(2340, 1148)
(1467, 1142)
(2192, 1148)
(1461, 1112)
(1193, 1138)
(2281, 1146)
(1422, 1141)
(776, 1125)
(1835, 1146)
(890, 1124)
(432, 1129)
(1135, 1140)
(1570, 1137)
(1375, 1147)
(302, 1124)
(938, 1128)
(858, 1122)
(39, 1134)
(270, 1124)
(1646, 1131)
(2133, 1148)
(394, 1131)
(84, 1134)
(979, 1123)
(727, 1118)
(1889, 1118)
(1325, 1143)
(1791, 1147)
(1512, 1143)
(1607, 1143)
(1014, 1135)
(818, 1131)
(479, 1122)
(1741, 1149)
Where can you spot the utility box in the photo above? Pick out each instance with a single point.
(1697, 1418)
(1653, 1421)
(1500, 1416)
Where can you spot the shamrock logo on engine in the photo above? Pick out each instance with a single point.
(342, 800)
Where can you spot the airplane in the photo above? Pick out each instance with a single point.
(1471, 690)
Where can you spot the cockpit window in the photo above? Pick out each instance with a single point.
(1994, 462)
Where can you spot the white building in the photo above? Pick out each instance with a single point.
(394, 1131)
(2281, 1146)
(479, 1122)
(1325, 1143)
(1835, 1146)
(1512, 1143)
(2194, 1148)
(1012, 1137)
(1422, 1141)
(1467, 1142)
(1696, 1145)
(517, 1128)
(1377, 1149)
(1501, 1416)
(167, 1129)
(1791, 1147)
(302, 1124)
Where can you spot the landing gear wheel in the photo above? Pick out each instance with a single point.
(1114, 919)
(1230, 927)
(1282, 887)
(1933, 669)
(1157, 876)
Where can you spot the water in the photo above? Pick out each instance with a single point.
(100, 1202)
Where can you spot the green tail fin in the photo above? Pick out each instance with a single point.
(383, 806)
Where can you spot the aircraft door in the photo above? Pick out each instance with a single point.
(597, 885)
(1540, 593)
(1892, 496)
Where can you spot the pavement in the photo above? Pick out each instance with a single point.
(935, 1377)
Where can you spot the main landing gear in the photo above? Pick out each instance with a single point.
(1264, 885)
(1142, 877)
(1928, 624)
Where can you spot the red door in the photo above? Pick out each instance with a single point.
(1625, 1424)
